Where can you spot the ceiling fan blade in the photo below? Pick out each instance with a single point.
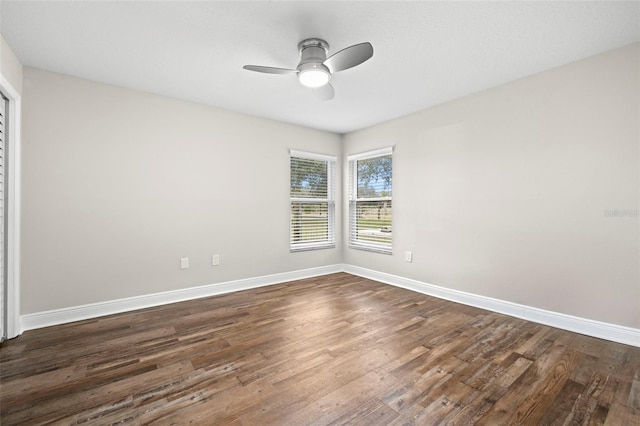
(324, 93)
(269, 70)
(349, 57)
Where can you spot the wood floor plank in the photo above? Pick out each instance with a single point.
(371, 412)
(575, 404)
(507, 404)
(336, 349)
(343, 401)
(297, 391)
(533, 408)
(447, 404)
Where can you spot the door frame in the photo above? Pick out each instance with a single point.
(12, 162)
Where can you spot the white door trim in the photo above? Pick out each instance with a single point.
(13, 212)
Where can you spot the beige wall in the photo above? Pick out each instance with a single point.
(10, 66)
(504, 193)
(118, 185)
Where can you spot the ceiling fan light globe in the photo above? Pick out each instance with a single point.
(314, 77)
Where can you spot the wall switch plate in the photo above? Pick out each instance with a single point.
(408, 256)
(184, 263)
(215, 260)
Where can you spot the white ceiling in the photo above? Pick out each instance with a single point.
(426, 53)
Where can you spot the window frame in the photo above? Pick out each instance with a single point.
(330, 201)
(354, 242)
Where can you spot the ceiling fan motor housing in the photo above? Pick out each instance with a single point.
(312, 50)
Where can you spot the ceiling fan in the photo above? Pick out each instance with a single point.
(314, 69)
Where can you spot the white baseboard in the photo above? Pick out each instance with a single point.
(615, 333)
(94, 310)
(602, 330)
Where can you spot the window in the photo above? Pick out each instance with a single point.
(370, 182)
(312, 201)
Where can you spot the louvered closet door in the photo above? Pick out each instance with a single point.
(3, 281)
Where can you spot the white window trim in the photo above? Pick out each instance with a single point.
(353, 185)
(13, 326)
(330, 200)
(371, 154)
(311, 155)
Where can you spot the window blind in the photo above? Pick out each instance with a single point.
(312, 188)
(370, 200)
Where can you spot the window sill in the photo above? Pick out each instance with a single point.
(311, 247)
(381, 250)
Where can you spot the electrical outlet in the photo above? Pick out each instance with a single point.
(184, 263)
(215, 260)
(408, 256)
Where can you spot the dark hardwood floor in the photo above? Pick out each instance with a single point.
(337, 349)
